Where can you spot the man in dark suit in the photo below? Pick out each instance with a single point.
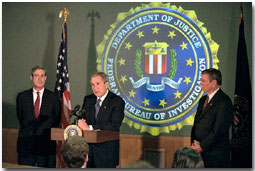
(104, 111)
(38, 110)
(210, 132)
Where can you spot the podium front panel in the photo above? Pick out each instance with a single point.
(92, 136)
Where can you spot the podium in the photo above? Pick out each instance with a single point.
(91, 136)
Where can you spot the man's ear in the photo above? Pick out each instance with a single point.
(214, 82)
(107, 84)
(85, 162)
(31, 77)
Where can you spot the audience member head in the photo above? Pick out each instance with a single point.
(140, 164)
(187, 158)
(75, 152)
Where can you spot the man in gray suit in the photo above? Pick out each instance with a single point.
(210, 132)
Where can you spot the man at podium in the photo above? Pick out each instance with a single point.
(104, 111)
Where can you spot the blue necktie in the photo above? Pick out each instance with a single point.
(97, 107)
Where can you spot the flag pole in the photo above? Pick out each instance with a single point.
(64, 13)
(241, 14)
(62, 87)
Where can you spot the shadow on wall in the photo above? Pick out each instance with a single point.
(9, 116)
(50, 56)
(92, 53)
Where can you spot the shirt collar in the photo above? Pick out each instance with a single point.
(212, 94)
(103, 97)
(40, 92)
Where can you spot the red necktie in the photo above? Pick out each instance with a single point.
(37, 105)
(206, 102)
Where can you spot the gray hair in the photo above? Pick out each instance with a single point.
(36, 68)
(213, 74)
(101, 74)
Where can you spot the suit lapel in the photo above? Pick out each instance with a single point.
(44, 102)
(210, 104)
(104, 105)
(31, 102)
(92, 110)
(200, 110)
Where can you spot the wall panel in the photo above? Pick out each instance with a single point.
(135, 147)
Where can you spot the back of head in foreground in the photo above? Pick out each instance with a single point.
(75, 152)
(187, 158)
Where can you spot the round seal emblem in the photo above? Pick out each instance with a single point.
(154, 56)
(242, 123)
(72, 130)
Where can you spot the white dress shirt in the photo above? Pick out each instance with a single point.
(212, 94)
(35, 96)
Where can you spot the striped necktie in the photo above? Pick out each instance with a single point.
(97, 107)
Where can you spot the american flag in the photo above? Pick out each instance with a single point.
(62, 89)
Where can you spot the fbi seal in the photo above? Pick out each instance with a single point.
(154, 56)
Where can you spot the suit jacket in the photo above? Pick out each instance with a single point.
(110, 116)
(211, 129)
(34, 135)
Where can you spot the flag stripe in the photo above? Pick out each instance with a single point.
(155, 64)
(151, 64)
(159, 64)
(146, 63)
(163, 64)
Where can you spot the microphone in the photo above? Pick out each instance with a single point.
(73, 116)
(76, 108)
(81, 113)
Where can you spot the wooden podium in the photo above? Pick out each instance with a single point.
(93, 136)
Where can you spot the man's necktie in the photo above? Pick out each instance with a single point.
(97, 107)
(206, 102)
(37, 105)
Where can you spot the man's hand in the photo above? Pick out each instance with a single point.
(83, 124)
(196, 146)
